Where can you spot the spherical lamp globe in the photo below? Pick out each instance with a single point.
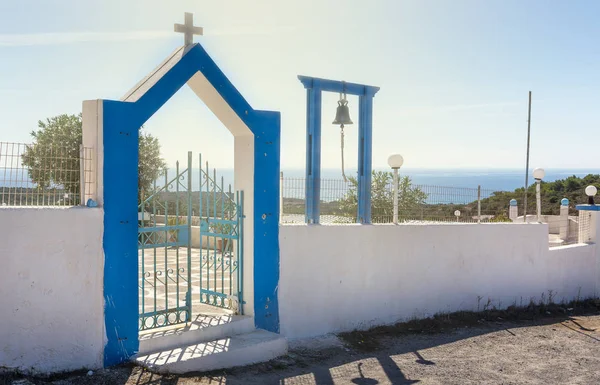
(591, 191)
(395, 161)
(539, 173)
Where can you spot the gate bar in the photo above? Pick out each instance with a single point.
(188, 296)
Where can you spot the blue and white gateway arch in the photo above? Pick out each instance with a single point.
(111, 128)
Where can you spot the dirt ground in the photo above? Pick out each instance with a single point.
(555, 350)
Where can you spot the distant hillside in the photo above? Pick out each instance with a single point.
(572, 188)
(495, 206)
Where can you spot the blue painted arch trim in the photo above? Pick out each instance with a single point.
(121, 122)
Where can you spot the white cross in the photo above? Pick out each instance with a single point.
(188, 29)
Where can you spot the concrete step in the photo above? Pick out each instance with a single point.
(204, 328)
(239, 350)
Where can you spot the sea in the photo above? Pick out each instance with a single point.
(494, 179)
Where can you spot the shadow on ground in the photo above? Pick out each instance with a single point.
(370, 357)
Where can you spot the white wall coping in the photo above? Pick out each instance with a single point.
(48, 208)
(416, 223)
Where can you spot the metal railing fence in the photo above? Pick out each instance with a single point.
(416, 203)
(43, 175)
(432, 204)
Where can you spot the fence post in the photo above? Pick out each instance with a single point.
(281, 197)
(589, 226)
(538, 200)
(395, 192)
(513, 210)
(81, 175)
(479, 204)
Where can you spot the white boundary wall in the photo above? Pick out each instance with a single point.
(340, 278)
(51, 280)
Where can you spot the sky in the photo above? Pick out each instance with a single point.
(454, 75)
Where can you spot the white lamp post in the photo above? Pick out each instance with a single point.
(538, 175)
(395, 161)
(591, 191)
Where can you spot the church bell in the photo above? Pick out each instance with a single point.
(342, 115)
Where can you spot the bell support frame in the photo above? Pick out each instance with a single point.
(314, 88)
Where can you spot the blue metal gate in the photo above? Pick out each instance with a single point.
(190, 247)
(221, 241)
(164, 222)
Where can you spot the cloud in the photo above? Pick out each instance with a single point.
(62, 38)
(37, 39)
(250, 30)
(458, 107)
(477, 106)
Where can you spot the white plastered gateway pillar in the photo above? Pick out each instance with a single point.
(92, 139)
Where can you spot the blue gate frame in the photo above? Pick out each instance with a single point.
(119, 122)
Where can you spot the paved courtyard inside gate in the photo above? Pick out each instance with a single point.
(205, 272)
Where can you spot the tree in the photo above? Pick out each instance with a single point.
(572, 188)
(150, 164)
(53, 158)
(410, 198)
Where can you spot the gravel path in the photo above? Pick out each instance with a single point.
(559, 351)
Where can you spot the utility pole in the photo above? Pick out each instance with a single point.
(527, 161)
